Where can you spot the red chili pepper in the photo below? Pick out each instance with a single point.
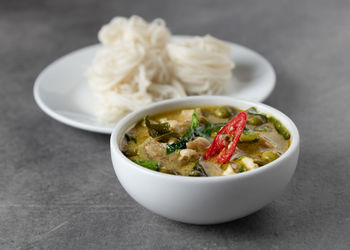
(233, 129)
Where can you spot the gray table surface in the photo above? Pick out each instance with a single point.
(57, 185)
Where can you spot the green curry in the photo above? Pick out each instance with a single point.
(206, 141)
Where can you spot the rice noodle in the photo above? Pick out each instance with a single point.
(202, 64)
(138, 65)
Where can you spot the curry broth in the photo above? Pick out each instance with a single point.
(139, 146)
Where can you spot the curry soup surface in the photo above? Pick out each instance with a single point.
(175, 142)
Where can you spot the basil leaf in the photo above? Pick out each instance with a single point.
(190, 134)
(194, 122)
(193, 127)
(171, 148)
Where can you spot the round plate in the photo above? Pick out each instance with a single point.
(62, 90)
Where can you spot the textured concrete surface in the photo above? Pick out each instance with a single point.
(57, 185)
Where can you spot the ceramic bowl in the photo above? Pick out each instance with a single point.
(204, 200)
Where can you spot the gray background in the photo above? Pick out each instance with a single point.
(57, 186)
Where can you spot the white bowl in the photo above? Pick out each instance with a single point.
(204, 200)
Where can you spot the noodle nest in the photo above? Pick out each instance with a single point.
(138, 64)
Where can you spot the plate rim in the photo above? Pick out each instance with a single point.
(55, 115)
(108, 130)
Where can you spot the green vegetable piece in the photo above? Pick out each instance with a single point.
(259, 162)
(256, 120)
(223, 112)
(197, 171)
(279, 127)
(153, 165)
(249, 137)
(157, 129)
(194, 122)
(263, 128)
(130, 152)
(268, 156)
(254, 111)
(167, 136)
(129, 138)
(242, 169)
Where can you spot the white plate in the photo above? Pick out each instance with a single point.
(62, 91)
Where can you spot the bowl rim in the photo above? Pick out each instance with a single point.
(115, 150)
